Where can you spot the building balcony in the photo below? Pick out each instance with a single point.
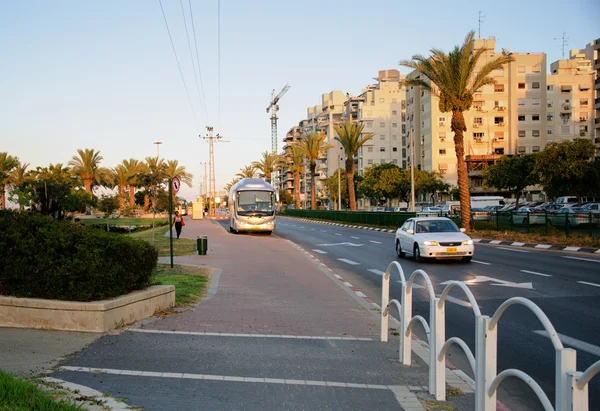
(597, 120)
(597, 82)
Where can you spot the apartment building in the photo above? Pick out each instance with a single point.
(592, 53)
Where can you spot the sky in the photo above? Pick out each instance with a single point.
(102, 74)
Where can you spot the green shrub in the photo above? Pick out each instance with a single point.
(44, 258)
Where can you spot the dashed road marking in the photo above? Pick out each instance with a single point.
(586, 283)
(375, 271)
(337, 233)
(458, 301)
(581, 259)
(481, 262)
(512, 249)
(209, 334)
(316, 250)
(375, 242)
(355, 238)
(536, 273)
(573, 342)
(345, 260)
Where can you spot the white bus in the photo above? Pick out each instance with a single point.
(252, 206)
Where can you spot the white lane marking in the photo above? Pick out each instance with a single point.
(543, 246)
(481, 262)
(511, 249)
(581, 259)
(344, 260)
(375, 271)
(495, 242)
(375, 242)
(323, 231)
(337, 233)
(316, 250)
(573, 342)
(571, 248)
(458, 301)
(186, 376)
(347, 284)
(535, 273)
(355, 238)
(209, 334)
(586, 283)
(312, 229)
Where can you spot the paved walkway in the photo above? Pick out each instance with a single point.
(279, 333)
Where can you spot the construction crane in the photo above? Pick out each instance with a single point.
(274, 108)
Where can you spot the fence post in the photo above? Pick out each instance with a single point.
(385, 297)
(566, 360)
(436, 346)
(405, 317)
(546, 220)
(528, 222)
(433, 327)
(497, 220)
(577, 398)
(485, 363)
(567, 224)
(590, 224)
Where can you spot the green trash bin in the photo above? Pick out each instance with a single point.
(202, 245)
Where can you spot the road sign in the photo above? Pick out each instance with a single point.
(176, 184)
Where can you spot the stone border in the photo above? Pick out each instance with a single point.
(307, 220)
(95, 316)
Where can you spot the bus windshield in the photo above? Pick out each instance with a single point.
(255, 203)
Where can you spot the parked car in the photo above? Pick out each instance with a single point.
(527, 215)
(378, 209)
(433, 237)
(593, 208)
(567, 216)
(480, 214)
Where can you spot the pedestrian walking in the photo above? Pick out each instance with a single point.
(178, 223)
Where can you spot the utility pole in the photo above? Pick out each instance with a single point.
(564, 41)
(480, 20)
(412, 171)
(212, 190)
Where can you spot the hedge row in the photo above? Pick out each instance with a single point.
(44, 258)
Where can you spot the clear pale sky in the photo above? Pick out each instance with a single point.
(102, 75)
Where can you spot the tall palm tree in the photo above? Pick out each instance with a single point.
(246, 172)
(153, 176)
(172, 170)
(87, 167)
(134, 169)
(351, 137)
(311, 146)
(120, 177)
(454, 78)
(7, 164)
(17, 177)
(297, 167)
(268, 163)
(231, 184)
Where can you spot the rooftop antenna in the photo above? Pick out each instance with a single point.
(564, 42)
(480, 20)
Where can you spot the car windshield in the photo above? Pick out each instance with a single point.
(255, 203)
(437, 226)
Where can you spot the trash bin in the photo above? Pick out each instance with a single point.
(202, 245)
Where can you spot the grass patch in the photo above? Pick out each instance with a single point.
(181, 246)
(438, 406)
(21, 395)
(129, 221)
(190, 282)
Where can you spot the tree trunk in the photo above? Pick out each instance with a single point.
(121, 198)
(313, 191)
(350, 178)
(459, 127)
(131, 197)
(146, 202)
(88, 186)
(268, 177)
(517, 199)
(2, 198)
(297, 189)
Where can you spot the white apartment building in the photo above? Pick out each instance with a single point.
(592, 53)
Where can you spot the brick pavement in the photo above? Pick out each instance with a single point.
(267, 286)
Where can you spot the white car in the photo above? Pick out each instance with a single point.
(433, 237)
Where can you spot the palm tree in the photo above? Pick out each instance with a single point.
(17, 177)
(351, 137)
(231, 184)
(454, 78)
(311, 146)
(7, 164)
(297, 167)
(153, 176)
(173, 170)
(268, 164)
(246, 172)
(134, 169)
(87, 167)
(120, 177)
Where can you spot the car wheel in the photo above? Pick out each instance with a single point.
(467, 259)
(417, 253)
(399, 251)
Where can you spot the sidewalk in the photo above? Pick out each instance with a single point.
(280, 332)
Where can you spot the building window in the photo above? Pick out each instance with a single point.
(548, 131)
(382, 100)
(535, 133)
(521, 69)
(382, 136)
(394, 100)
(394, 137)
(403, 128)
(394, 125)
(370, 161)
(583, 102)
(550, 103)
(442, 152)
(499, 121)
(394, 112)
(521, 86)
(550, 88)
(478, 136)
(403, 152)
(522, 133)
(535, 117)
(535, 84)
(442, 135)
(369, 149)
(550, 116)
(404, 164)
(403, 104)
(382, 149)
(369, 125)
(478, 105)
(535, 149)
(537, 68)
(522, 101)
(521, 149)
(499, 136)
(535, 101)
(403, 117)
(403, 140)
(498, 88)
(521, 118)
(394, 149)
(382, 124)
(583, 119)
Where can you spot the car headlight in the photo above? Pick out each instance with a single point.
(468, 242)
(427, 242)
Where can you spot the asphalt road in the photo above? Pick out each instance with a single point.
(565, 285)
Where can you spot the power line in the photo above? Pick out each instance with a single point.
(198, 58)
(178, 65)
(218, 62)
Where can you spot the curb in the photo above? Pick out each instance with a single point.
(85, 397)
(539, 246)
(306, 220)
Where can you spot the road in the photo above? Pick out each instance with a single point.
(565, 285)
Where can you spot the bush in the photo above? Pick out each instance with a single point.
(44, 258)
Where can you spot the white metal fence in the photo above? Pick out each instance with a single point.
(571, 385)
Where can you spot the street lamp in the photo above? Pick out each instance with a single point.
(158, 143)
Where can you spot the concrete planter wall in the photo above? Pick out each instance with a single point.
(95, 316)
